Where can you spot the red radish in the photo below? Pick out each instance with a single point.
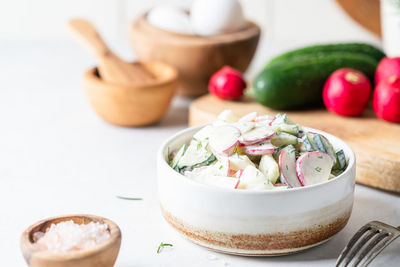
(387, 68)
(287, 165)
(346, 92)
(262, 149)
(386, 99)
(314, 167)
(257, 135)
(224, 139)
(227, 83)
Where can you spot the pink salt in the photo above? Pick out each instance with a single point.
(69, 236)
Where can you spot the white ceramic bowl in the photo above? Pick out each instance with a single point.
(254, 222)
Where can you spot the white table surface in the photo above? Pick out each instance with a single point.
(58, 157)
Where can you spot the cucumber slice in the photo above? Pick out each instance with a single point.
(288, 128)
(311, 141)
(196, 155)
(341, 159)
(178, 156)
(318, 142)
(283, 139)
(306, 140)
(281, 119)
(238, 162)
(252, 178)
(269, 167)
(325, 146)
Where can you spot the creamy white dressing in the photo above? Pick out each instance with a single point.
(249, 160)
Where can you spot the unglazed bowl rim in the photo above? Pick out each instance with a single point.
(252, 29)
(345, 175)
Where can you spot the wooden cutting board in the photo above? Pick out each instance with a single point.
(376, 143)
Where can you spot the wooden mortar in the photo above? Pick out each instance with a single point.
(138, 104)
(102, 255)
(195, 57)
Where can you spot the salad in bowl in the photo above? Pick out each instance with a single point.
(257, 153)
(256, 185)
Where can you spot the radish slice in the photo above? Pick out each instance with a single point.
(264, 118)
(224, 139)
(204, 133)
(245, 126)
(314, 167)
(261, 149)
(257, 135)
(238, 175)
(287, 164)
(249, 117)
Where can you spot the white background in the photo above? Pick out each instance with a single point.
(58, 157)
(314, 20)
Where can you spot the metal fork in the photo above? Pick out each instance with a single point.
(367, 243)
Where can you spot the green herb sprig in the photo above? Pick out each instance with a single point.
(129, 198)
(162, 245)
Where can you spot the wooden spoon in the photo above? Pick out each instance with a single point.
(111, 68)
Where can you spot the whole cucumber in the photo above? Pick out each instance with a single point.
(298, 82)
(360, 48)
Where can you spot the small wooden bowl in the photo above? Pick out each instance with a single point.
(139, 104)
(195, 57)
(102, 255)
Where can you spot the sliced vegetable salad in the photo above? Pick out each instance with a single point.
(257, 153)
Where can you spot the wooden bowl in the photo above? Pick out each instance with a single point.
(195, 57)
(138, 104)
(102, 255)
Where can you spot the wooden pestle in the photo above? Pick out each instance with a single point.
(111, 68)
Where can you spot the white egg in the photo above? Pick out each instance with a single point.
(211, 17)
(171, 19)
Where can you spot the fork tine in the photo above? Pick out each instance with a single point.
(378, 249)
(371, 246)
(359, 245)
(351, 243)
